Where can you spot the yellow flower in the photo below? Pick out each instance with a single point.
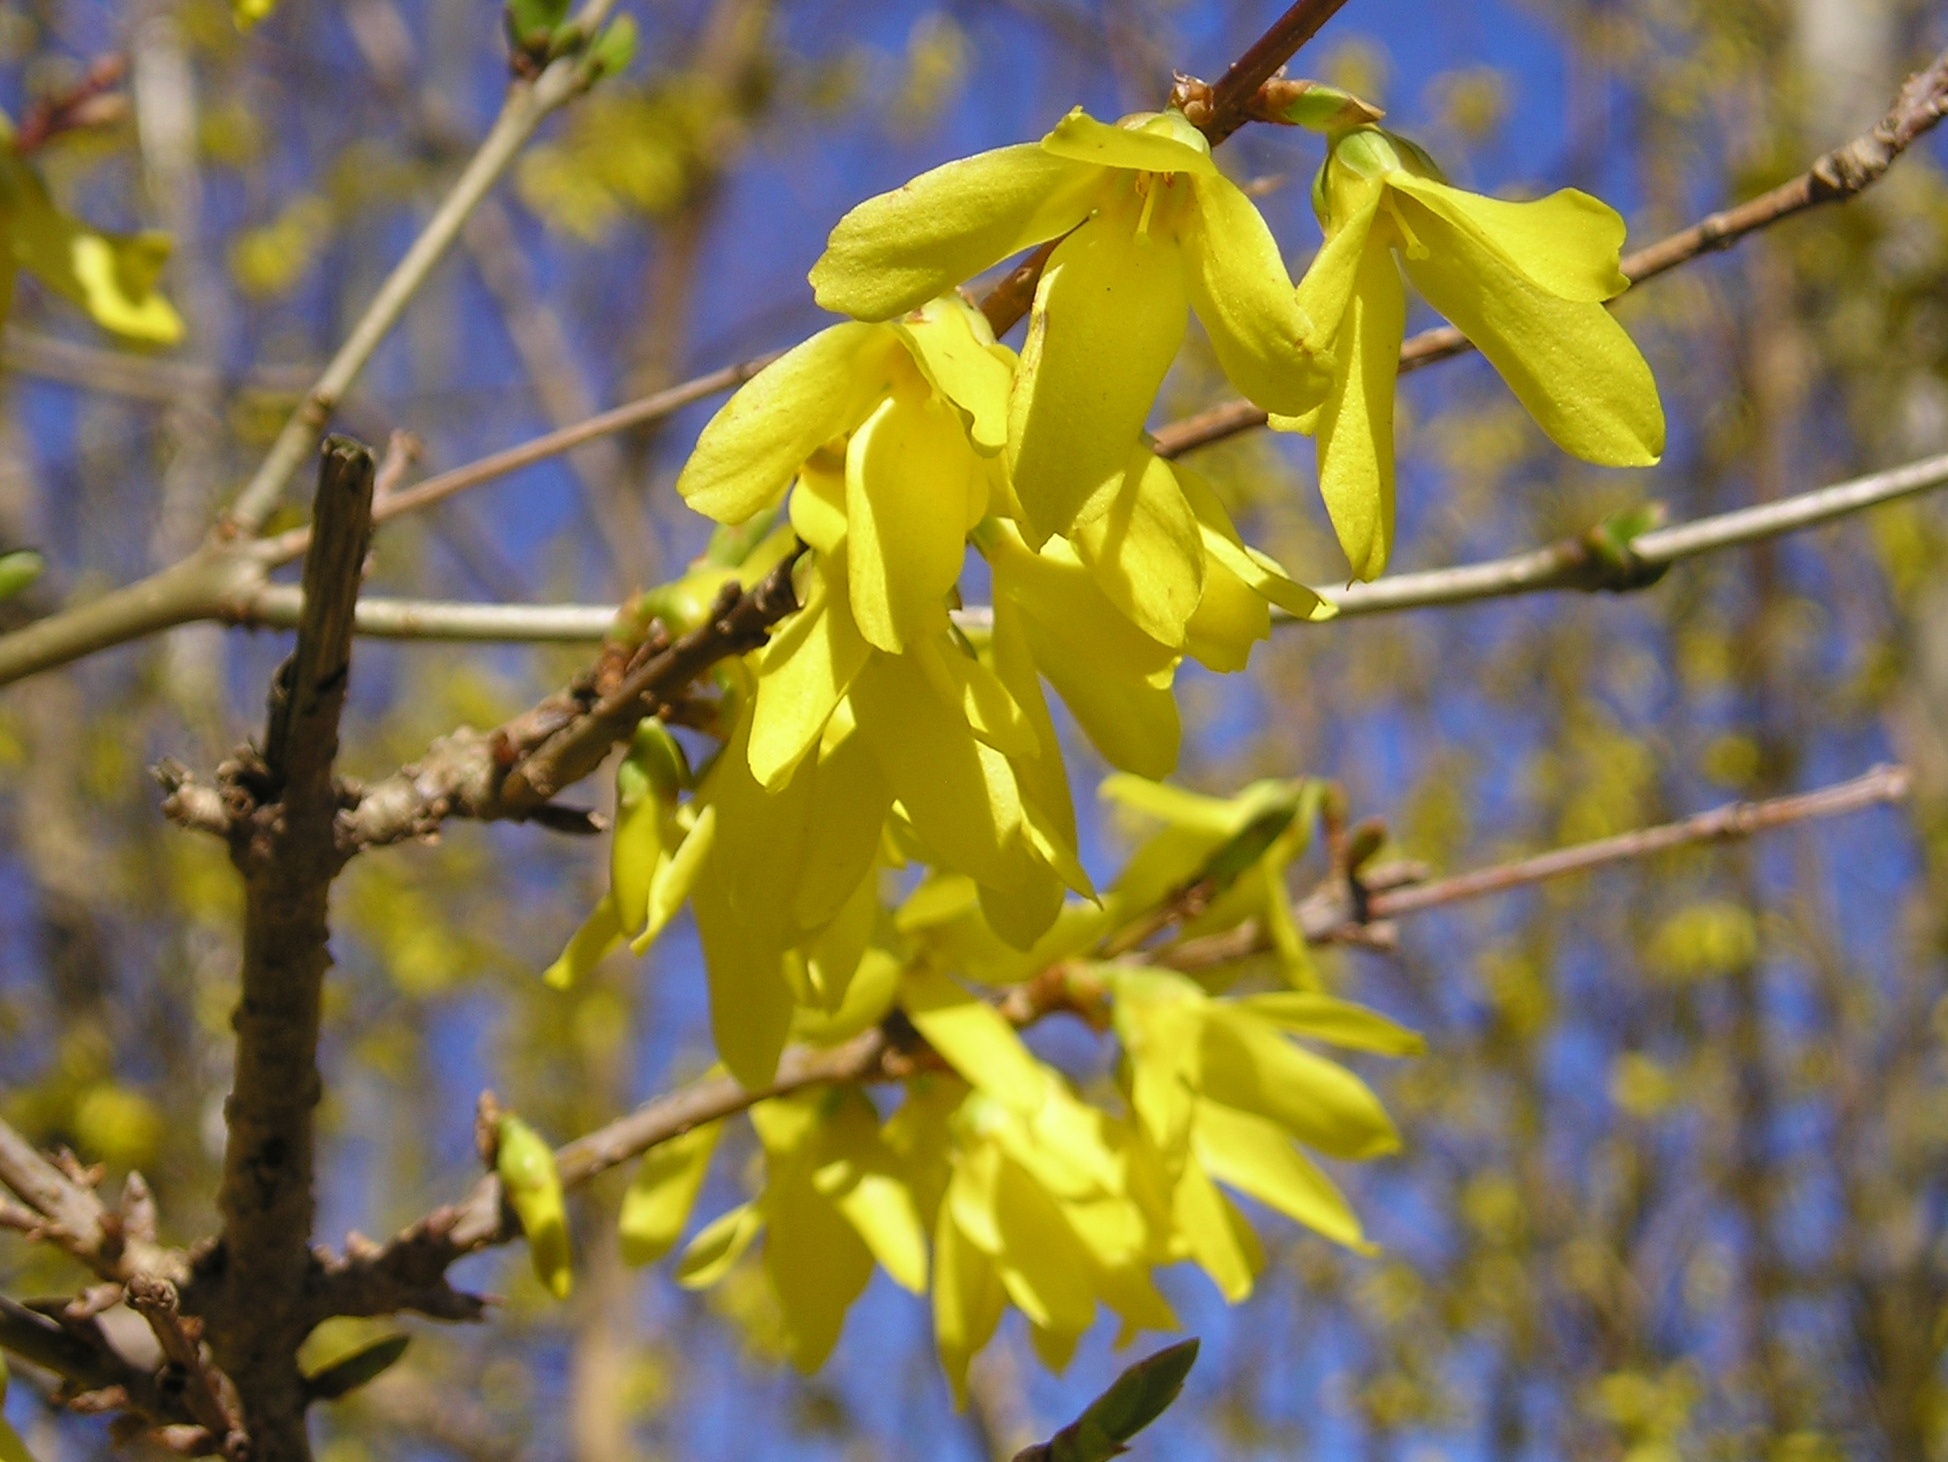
(1524, 281)
(1219, 1093)
(111, 276)
(1154, 231)
(833, 1204)
(898, 428)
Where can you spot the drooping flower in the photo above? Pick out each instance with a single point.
(1525, 282)
(111, 276)
(1154, 231)
(898, 427)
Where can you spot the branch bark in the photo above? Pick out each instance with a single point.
(251, 1286)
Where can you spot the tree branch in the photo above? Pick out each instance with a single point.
(1843, 173)
(1578, 563)
(527, 105)
(515, 771)
(251, 1286)
(1232, 94)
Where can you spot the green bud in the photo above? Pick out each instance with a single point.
(657, 757)
(531, 23)
(18, 570)
(1367, 152)
(615, 48)
(526, 1165)
(1134, 1399)
(1315, 106)
(1612, 552)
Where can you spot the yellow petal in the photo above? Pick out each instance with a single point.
(1246, 1064)
(818, 502)
(587, 947)
(750, 1003)
(1568, 361)
(781, 416)
(1145, 550)
(1109, 315)
(1105, 669)
(1338, 1022)
(1263, 338)
(1261, 572)
(719, 1245)
(960, 795)
(111, 276)
(1216, 1235)
(1230, 619)
(895, 252)
(663, 1192)
(963, 681)
(1158, 142)
(808, 666)
(973, 1038)
(1567, 244)
(1043, 780)
(850, 800)
(1355, 424)
(1022, 903)
(859, 1177)
(832, 957)
(675, 876)
(967, 1302)
(954, 348)
(1327, 286)
(818, 1265)
(908, 473)
(1043, 1265)
(1256, 1158)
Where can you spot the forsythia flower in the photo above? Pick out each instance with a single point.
(922, 407)
(1524, 281)
(1154, 231)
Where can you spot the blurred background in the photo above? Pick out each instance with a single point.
(1676, 1169)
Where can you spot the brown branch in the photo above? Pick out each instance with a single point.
(1843, 173)
(1734, 821)
(187, 1372)
(1340, 913)
(1233, 92)
(251, 1286)
(515, 771)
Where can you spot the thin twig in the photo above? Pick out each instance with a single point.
(527, 105)
(1571, 563)
(156, 1301)
(1336, 913)
(515, 771)
(1232, 93)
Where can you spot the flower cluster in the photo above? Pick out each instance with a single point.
(888, 737)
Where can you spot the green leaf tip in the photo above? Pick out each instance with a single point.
(1134, 1399)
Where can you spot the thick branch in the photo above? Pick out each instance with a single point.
(252, 1285)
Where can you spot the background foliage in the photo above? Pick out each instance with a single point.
(1674, 1176)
